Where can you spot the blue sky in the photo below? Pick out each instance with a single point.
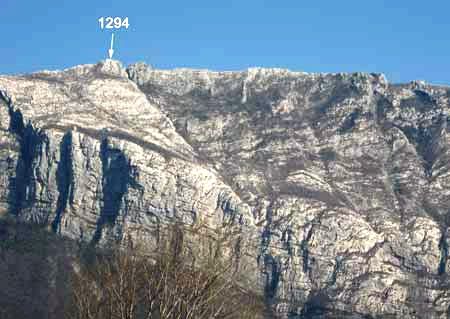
(406, 40)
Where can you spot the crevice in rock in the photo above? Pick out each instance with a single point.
(16, 124)
(350, 121)
(267, 232)
(426, 139)
(117, 175)
(64, 179)
(443, 246)
(286, 239)
(24, 184)
(22, 187)
(271, 265)
(337, 267)
(305, 249)
(272, 271)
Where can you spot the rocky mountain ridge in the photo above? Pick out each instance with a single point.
(340, 182)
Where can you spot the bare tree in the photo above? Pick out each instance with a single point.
(175, 281)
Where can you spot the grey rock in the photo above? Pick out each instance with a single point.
(339, 183)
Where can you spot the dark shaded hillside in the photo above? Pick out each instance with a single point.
(46, 276)
(35, 266)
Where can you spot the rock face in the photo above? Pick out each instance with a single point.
(340, 182)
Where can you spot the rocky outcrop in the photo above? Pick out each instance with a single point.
(340, 183)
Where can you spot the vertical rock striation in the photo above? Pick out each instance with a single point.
(340, 183)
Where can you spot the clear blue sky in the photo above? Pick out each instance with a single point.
(406, 40)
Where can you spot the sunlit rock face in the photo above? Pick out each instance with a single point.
(340, 182)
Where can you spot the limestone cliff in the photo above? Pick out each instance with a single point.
(340, 182)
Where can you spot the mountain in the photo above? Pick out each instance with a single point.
(339, 183)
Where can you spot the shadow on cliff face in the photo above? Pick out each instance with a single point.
(22, 188)
(34, 267)
(117, 177)
(64, 179)
(272, 273)
(426, 139)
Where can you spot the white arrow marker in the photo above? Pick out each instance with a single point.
(111, 50)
